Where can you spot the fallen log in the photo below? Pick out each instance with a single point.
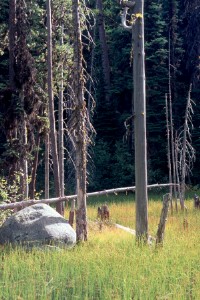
(25, 203)
(133, 232)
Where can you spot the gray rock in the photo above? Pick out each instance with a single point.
(37, 225)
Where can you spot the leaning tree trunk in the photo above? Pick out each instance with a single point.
(53, 139)
(80, 127)
(139, 111)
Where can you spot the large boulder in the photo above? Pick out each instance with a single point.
(37, 225)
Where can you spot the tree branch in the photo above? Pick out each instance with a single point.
(123, 20)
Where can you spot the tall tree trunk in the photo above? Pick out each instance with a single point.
(173, 38)
(169, 151)
(34, 169)
(80, 130)
(61, 129)
(139, 112)
(12, 40)
(104, 50)
(172, 127)
(47, 166)
(185, 144)
(53, 138)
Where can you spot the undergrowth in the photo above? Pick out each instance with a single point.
(110, 265)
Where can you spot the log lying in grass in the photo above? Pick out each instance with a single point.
(133, 232)
(25, 203)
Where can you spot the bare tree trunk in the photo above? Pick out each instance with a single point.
(163, 219)
(104, 49)
(184, 149)
(53, 139)
(23, 163)
(34, 168)
(12, 39)
(139, 112)
(80, 130)
(177, 168)
(47, 166)
(61, 130)
(172, 130)
(26, 192)
(169, 152)
(72, 212)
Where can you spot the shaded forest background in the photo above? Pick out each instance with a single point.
(172, 31)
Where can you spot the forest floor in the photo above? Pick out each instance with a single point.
(110, 265)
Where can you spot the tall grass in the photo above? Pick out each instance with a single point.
(110, 265)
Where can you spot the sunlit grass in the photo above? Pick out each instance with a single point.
(110, 265)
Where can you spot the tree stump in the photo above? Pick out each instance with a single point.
(196, 201)
(103, 213)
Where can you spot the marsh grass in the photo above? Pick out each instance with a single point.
(110, 265)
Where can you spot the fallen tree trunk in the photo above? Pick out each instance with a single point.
(23, 204)
(151, 239)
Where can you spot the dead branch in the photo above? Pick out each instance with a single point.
(133, 232)
(23, 204)
(123, 19)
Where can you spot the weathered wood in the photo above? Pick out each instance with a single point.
(133, 232)
(53, 132)
(72, 213)
(23, 204)
(163, 219)
(103, 213)
(80, 129)
(196, 201)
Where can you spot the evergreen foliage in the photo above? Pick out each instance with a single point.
(171, 31)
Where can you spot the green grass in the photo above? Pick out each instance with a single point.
(110, 265)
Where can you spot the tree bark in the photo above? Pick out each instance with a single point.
(80, 130)
(47, 166)
(163, 219)
(53, 139)
(104, 50)
(61, 129)
(12, 40)
(139, 112)
(172, 128)
(34, 168)
(184, 150)
(169, 152)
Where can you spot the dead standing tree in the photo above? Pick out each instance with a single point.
(53, 139)
(168, 151)
(185, 150)
(79, 124)
(139, 112)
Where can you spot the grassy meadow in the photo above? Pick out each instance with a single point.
(110, 265)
